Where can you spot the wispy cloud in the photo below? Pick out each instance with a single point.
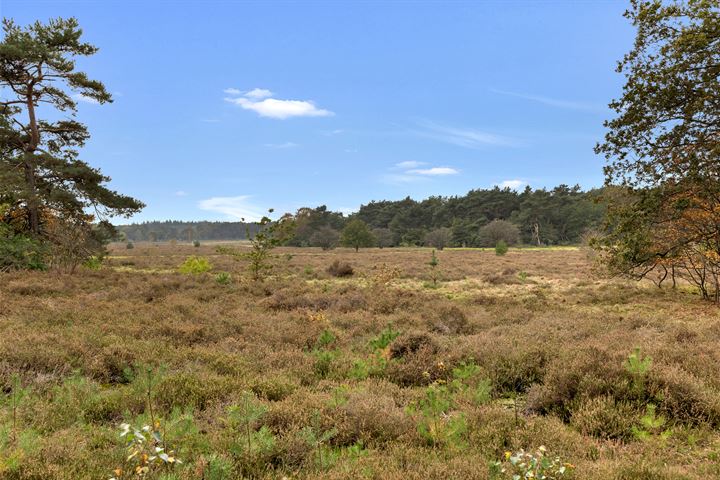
(235, 208)
(409, 164)
(79, 97)
(209, 120)
(258, 101)
(337, 131)
(464, 137)
(512, 184)
(411, 173)
(434, 171)
(181, 193)
(259, 93)
(282, 145)
(555, 102)
(232, 91)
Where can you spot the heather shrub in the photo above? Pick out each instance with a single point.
(412, 343)
(340, 269)
(449, 320)
(370, 419)
(604, 417)
(586, 373)
(501, 248)
(517, 370)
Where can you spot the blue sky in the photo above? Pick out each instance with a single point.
(226, 108)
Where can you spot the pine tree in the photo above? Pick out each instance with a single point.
(41, 171)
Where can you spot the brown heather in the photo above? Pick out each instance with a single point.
(552, 340)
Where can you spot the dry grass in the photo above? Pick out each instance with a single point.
(551, 339)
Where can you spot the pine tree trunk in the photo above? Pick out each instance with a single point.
(33, 207)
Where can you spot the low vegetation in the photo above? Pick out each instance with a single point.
(364, 376)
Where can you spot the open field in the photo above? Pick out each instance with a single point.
(377, 375)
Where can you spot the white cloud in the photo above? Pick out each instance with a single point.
(235, 208)
(257, 100)
(409, 164)
(209, 120)
(512, 184)
(259, 93)
(282, 145)
(434, 171)
(232, 91)
(79, 97)
(181, 193)
(465, 137)
(411, 173)
(556, 102)
(281, 109)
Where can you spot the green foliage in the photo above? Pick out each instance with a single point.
(469, 383)
(93, 263)
(356, 234)
(638, 366)
(384, 339)
(196, 243)
(223, 278)
(39, 159)
(324, 357)
(501, 248)
(129, 245)
(523, 465)
(252, 447)
(434, 273)
(436, 424)
(21, 252)
(651, 426)
(195, 265)
(317, 437)
(267, 237)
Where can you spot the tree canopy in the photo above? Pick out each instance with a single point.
(663, 147)
(42, 173)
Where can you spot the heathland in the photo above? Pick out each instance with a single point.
(356, 365)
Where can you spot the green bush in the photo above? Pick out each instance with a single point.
(501, 248)
(195, 265)
(20, 252)
(129, 245)
(223, 278)
(196, 243)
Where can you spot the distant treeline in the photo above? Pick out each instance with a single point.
(185, 231)
(543, 217)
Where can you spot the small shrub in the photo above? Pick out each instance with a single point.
(195, 265)
(129, 245)
(603, 417)
(412, 343)
(436, 424)
(223, 278)
(340, 269)
(449, 320)
(196, 243)
(501, 248)
(651, 426)
(93, 263)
